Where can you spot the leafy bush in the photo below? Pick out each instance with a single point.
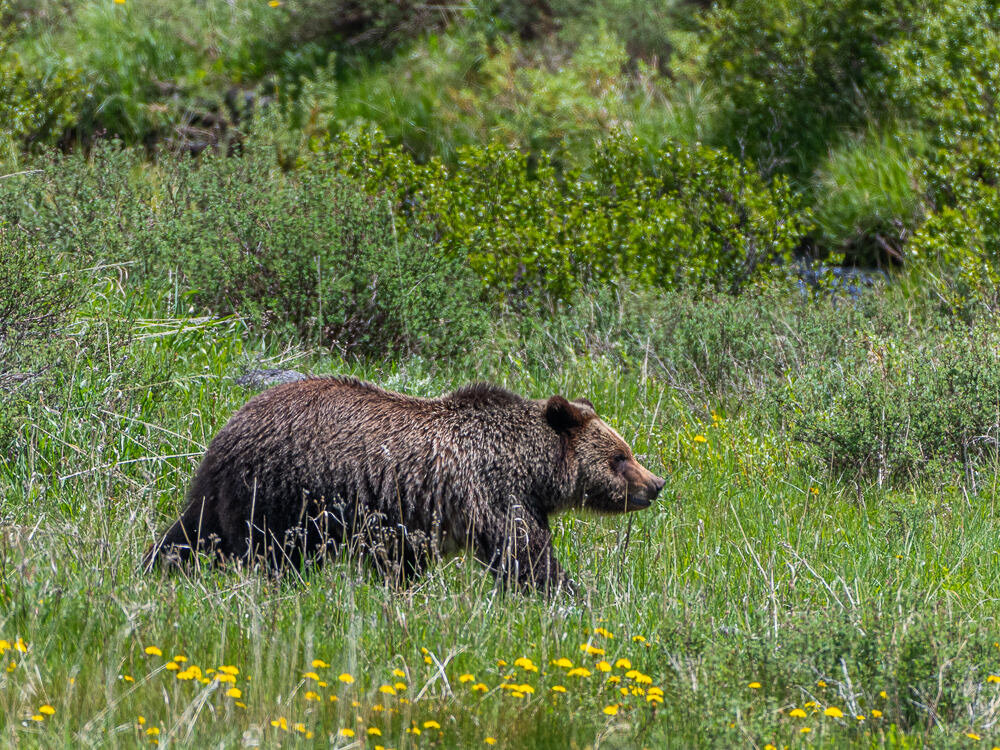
(305, 250)
(680, 215)
(895, 407)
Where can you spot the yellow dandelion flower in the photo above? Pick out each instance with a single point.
(614, 679)
(128, 678)
(46, 709)
(119, 2)
(769, 746)
(860, 717)
(413, 730)
(310, 676)
(490, 741)
(612, 709)
(700, 439)
(186, 674)
(153, 651)
(876, 713)
(11, 667)
(467, 678)
(558, 689)
(638, 639)
(637, 691)
(820, 683)
(501, 663)
(428, 660)
(241, 704)
(355, 704)
(374, 732)
(814, 490)
(400, 686)
(180, 658)
(811, 704)
(312, 696)
(300, 727)
(882, 694)
(993, 678)
(234, 692)
(228, 678)
(654, 698)
(281, 723)
(334, 699)
(754, 686)
(834, 712)
(562, 662)
(172, 666)
(153, 731)
(20, 645)
(480, 687)
(526, 689)
(591, 650)
(270, 3)
(579, 672)
(656, 690)
(319, 664)
(602, 631)
(345, 732)
(431, 724)
(973, 736)
(644, 679)
(37, 717)
(603, 666)
(526, 664)
(798, 713)
(623, 691)
(623, 663)
(229, 669)
(387, 689)
(805, 730)
(516, 694)
(141, 720)
(398, 673)
(378, 708)
(4, 646)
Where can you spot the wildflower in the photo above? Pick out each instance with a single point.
(225, 678)
(700, 439)
(526, 664)
(993, 678)
(241, 704)
(225, 669)
(814, 490)
(398, 673)
(400, 686)
(172, 666)
(876, 714)
(490, 741)
(558, 689)
(38, 717)
(47, 710)
(811, 704)
(378, 708)
(153, 731)
(387, 689)
(769, 746)
(638, 639)
(428, 660)
(431, 724)
(480, 687)
(467, 678)
(319, 664)
(4, 646)
(860, 717)
(413, 730)
(153, 651)
(603, 666)
(270, 3)
(805, 730)
(501, 663)
(623, 691)
(882, 694)
(311, 676)
(234, 692)
(128, 678)
(602, 631)
(973, 736)
(655, 690)
(579, 672)
(614, 679)
(517, 694)
(820, 683)
(591, 650)
(654, 698)
(374, 732)
(623, 663)
(281, 723)
(612, 709)
(334, 699)
(834, 712)
(345, 732)
(797, 713)
(141, 720)
(754, 686)
(180, 658)
(312, 696)
(562, 662)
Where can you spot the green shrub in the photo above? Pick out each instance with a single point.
(677, 216)
(869, 198)
(895, 407)
(304, 250)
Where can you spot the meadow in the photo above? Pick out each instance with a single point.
(631, 202)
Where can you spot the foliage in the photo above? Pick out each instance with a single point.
(304, 250)
(868, 198)
(680, 215)
(798, 72)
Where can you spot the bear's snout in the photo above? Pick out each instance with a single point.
(643, 487)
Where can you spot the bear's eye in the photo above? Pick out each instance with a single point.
(618, 459)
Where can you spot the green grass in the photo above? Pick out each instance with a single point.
(748, 570)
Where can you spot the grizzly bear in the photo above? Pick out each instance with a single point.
(307, 468)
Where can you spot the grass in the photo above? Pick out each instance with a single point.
(751, 593)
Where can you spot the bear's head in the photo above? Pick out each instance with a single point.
(608, 477)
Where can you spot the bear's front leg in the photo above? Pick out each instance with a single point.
(519, 550)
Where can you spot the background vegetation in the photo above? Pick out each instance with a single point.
(657, 206)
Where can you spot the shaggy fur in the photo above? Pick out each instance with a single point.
(307, 467)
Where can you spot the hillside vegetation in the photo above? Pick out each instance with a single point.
(655, 206)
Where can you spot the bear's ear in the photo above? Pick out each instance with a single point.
(561, 415)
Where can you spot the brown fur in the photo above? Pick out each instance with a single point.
(307, 467)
